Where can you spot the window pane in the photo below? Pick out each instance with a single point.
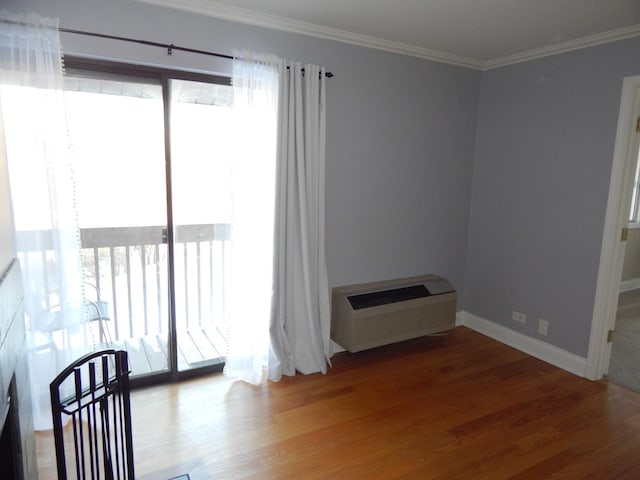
(201, 133)
(116, 129)
(117, 139)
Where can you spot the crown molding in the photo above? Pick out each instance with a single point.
(563, 47)
(252, 17)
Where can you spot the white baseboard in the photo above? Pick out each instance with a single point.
(532, 346)
(631, 284)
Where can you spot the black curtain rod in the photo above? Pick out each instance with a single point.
(170, 47)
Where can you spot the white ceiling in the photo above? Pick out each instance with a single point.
(476, 33)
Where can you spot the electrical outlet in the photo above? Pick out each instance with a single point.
(543, 327)
(518, 317)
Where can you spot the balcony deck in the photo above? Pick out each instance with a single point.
(150, 354)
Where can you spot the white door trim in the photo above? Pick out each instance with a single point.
(612, 252)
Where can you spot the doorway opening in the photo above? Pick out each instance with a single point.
(624, 363)
(623, 189)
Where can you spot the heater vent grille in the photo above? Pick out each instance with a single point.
(373, 299)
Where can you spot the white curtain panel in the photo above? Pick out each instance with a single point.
(300, 318)
(249, 273)
(43, 198)
(279, 308)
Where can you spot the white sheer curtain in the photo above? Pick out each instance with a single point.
(43, 198)
(300, 320)
(255, 81)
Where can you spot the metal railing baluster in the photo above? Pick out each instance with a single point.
(158, 287)
(199, 280)
(143, 261)
(186, 283)
(127, 257)
(212, 288)
(114, 295)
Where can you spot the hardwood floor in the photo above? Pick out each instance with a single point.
(460, 406)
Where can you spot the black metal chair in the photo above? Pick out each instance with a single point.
(92, 418)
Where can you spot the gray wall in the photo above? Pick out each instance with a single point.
(400, 133)
(545, 140)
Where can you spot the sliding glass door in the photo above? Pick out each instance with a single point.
(152, 164)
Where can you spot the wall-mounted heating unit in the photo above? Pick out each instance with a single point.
(373, 314)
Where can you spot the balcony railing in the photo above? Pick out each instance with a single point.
(130, 269)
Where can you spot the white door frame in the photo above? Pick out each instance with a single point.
(612, 253)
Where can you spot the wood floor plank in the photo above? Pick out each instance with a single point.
(456, 407)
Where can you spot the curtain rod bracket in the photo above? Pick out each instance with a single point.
(170, 50)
